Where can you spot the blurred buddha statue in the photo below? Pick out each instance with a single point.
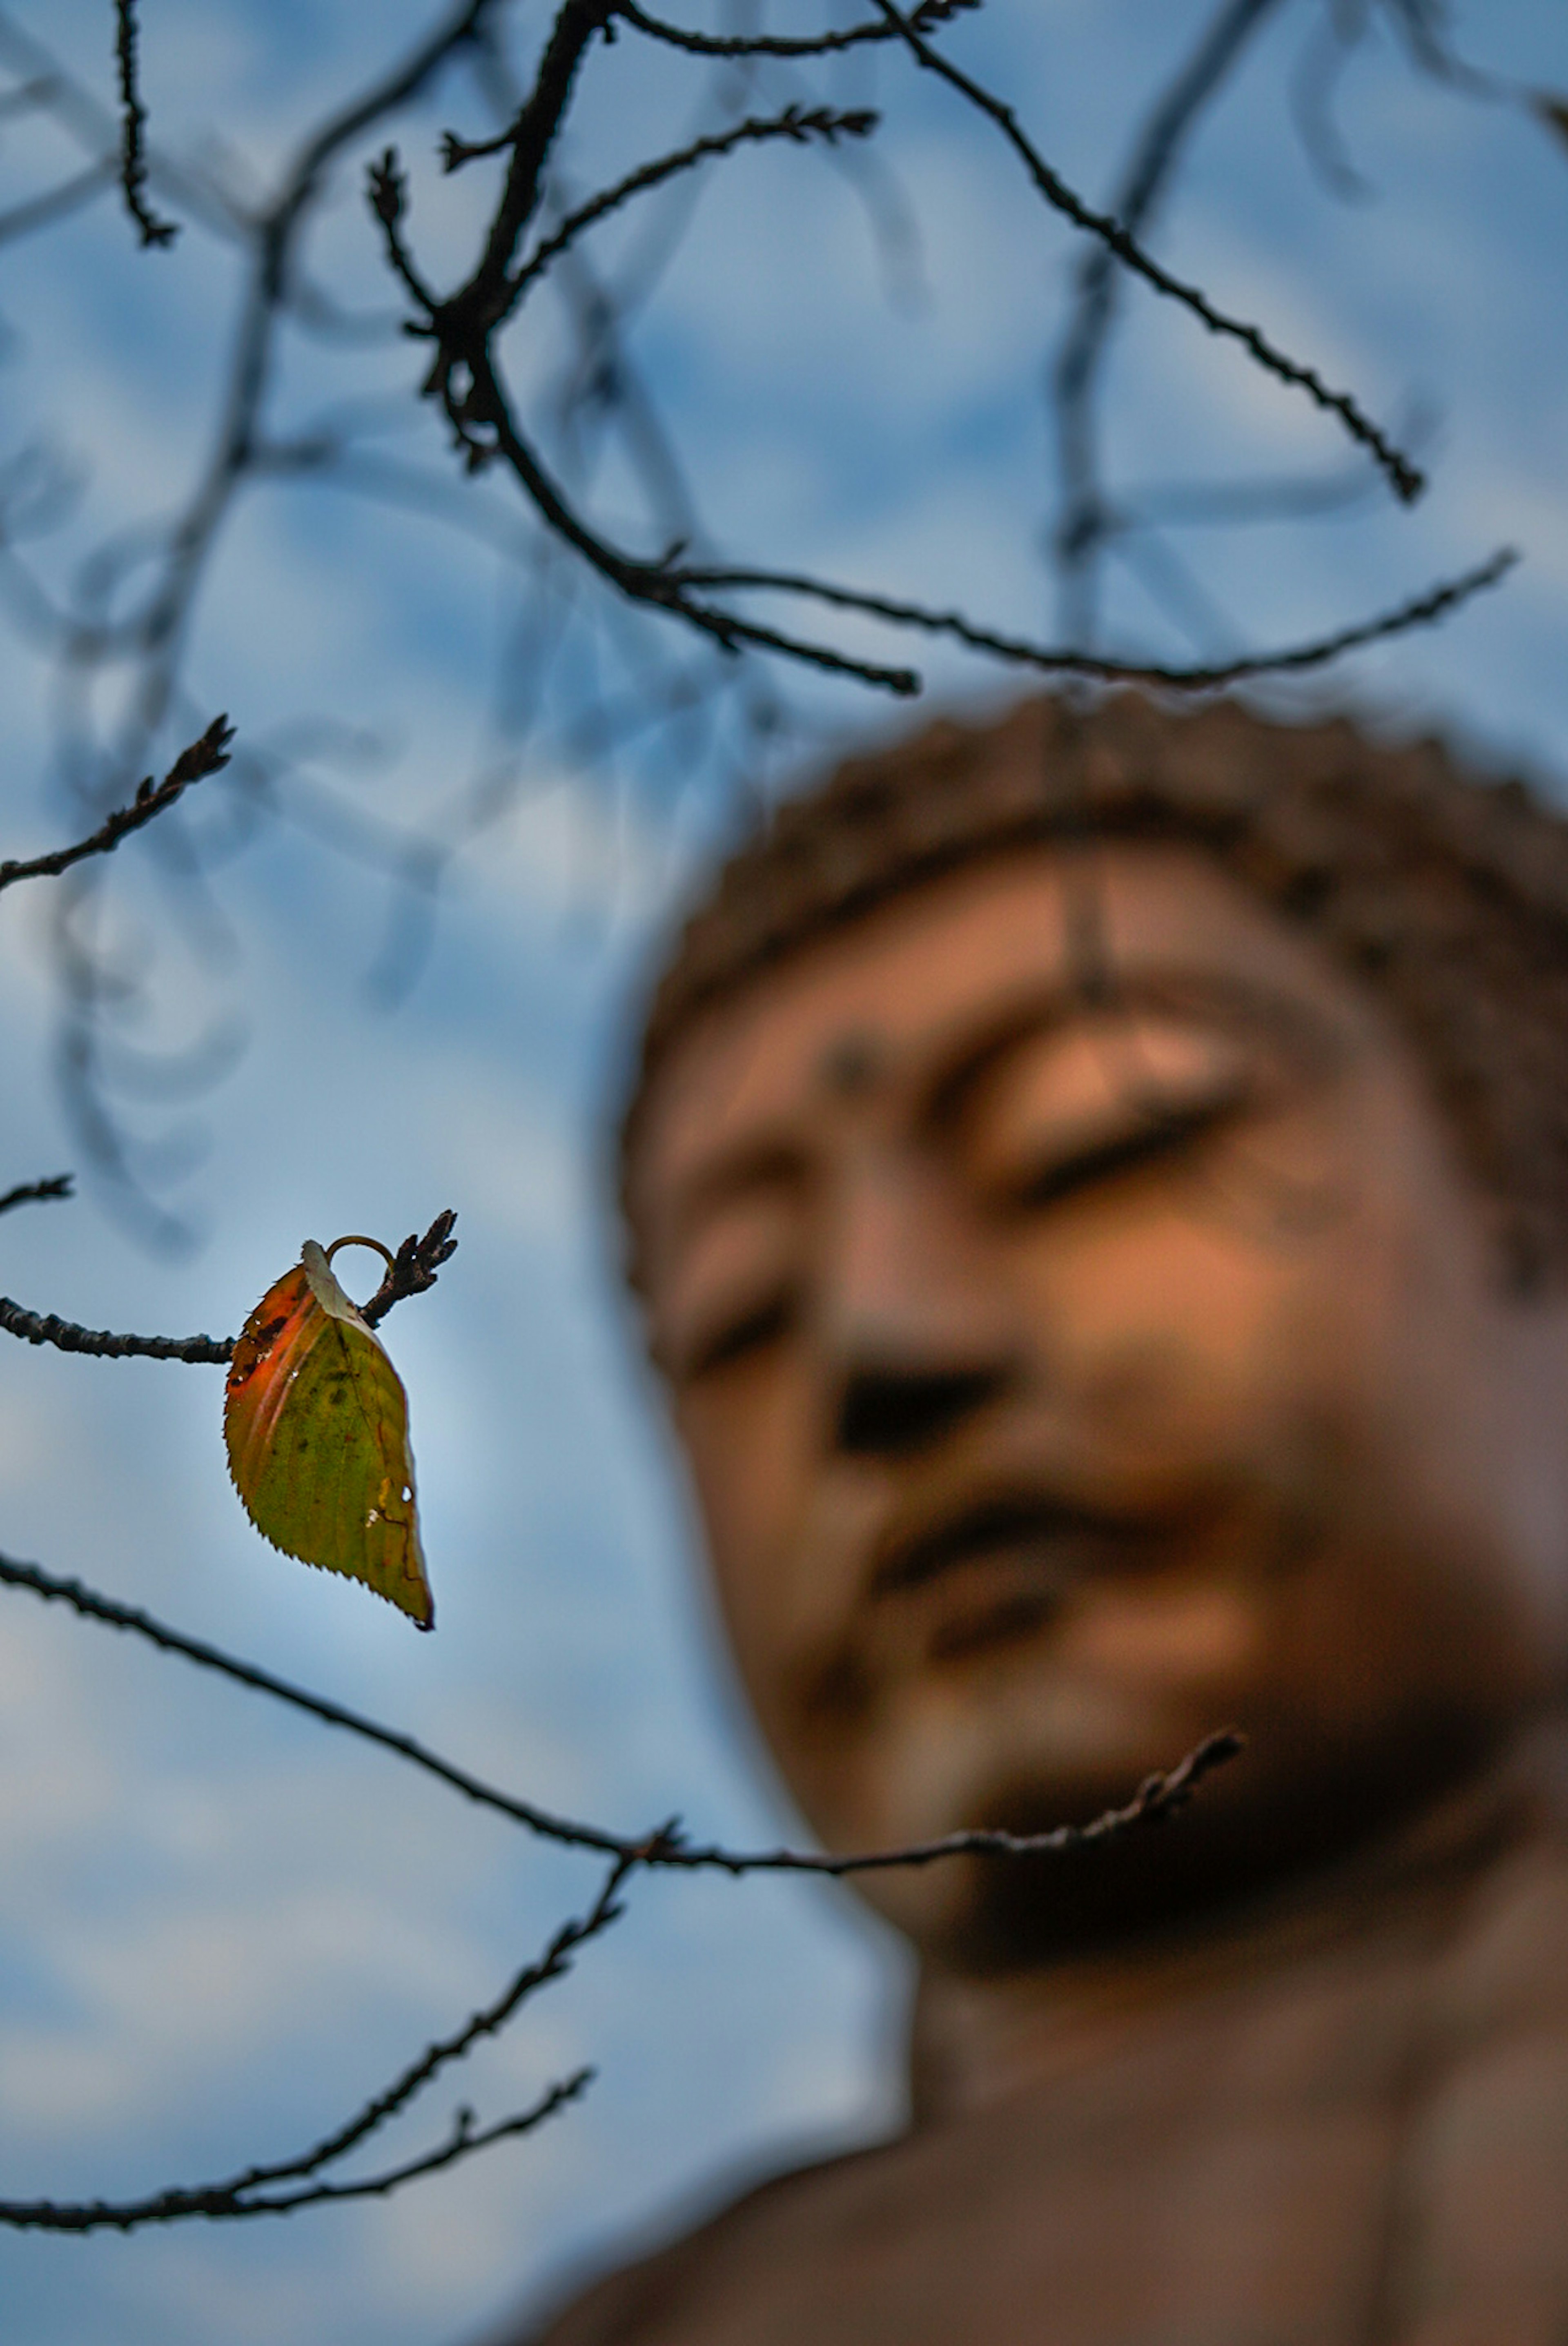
(1099, 1189)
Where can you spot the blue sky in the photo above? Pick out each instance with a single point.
(221, 1929)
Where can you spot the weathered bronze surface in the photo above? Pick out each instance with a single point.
(1103, 1301)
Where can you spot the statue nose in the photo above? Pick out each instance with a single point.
(890, 1408)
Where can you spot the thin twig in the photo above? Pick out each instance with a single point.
(388, 194)
(663, 1849)
(97, 2215)
(412, 1272)
(67, 1336)
(206, 755)
(237, 2196)
(654, 582)
(1420, 612)
(133, 161)
(466, 378)
(794, 123)
(531, 138)
(927, 19)
(413, 1266)
(1406, 479)
(553, 1964)
(94, 1608)
(27, 1193)
(1084, 520)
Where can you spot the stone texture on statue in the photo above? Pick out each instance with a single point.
(1347, 2122)
(1100, 1194)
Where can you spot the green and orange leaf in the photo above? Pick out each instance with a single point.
(316, 1420)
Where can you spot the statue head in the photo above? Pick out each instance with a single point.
(1098, 1184)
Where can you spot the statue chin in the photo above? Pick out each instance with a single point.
(1279, 1816)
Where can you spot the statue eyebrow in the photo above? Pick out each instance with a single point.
(1195, 995)
(752, 1165)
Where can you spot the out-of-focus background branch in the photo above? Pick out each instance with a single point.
(383, 958)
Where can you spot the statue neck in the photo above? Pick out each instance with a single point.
(978, 2040)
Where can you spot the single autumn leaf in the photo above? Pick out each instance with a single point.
(316, 1420)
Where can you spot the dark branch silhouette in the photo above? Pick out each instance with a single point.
(413, 1271)
(600, 397)
(796, 123)
(67, 1336)
(28, 1193)
(133, 161)
(926, 19)
(169, 2207)
(1424, 611)
(413, 1266)
(209, 755)
(1405, 478)
(242, 2194)
(465, 375)
(663, 1849)
(1084, 521)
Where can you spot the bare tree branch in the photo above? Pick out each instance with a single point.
(413, 1271)
(1082, 522)
(220, 2201)
(415, 1266)
(208, 755)
(926, 19)
(470, 389)
(27, 1193)
(1424, 611)
(133, 162)
(94, 1608)
(796, 123)
(553, 1964)
(239, 2195)
(663, 1849)
(465, 376)
(67, 1336)
(1406, 479)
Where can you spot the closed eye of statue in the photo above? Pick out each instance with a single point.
(737, 1335)
(1155, 1132)
(1066, 1112)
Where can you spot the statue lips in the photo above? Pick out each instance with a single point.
(1003, 1565)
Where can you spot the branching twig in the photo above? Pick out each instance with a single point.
(926, 19)
(414, 1270)
(1083, 525)
(413, 1266)
(27, 1193)
(239, 2195)
(206, 755)
(663, 1849)
(133, 162)
(388, 195)
(97, 2215)
(553, 1964)
(1422, 612)
(1406, 479)
(795, 123)
(67, 1336)
(465, 376)
(481, 406)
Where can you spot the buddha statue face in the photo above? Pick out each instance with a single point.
(1082, 1346)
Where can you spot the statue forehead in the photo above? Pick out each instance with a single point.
(911, 976)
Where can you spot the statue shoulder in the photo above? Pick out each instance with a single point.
(1485, 2168)
(663, 2297)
